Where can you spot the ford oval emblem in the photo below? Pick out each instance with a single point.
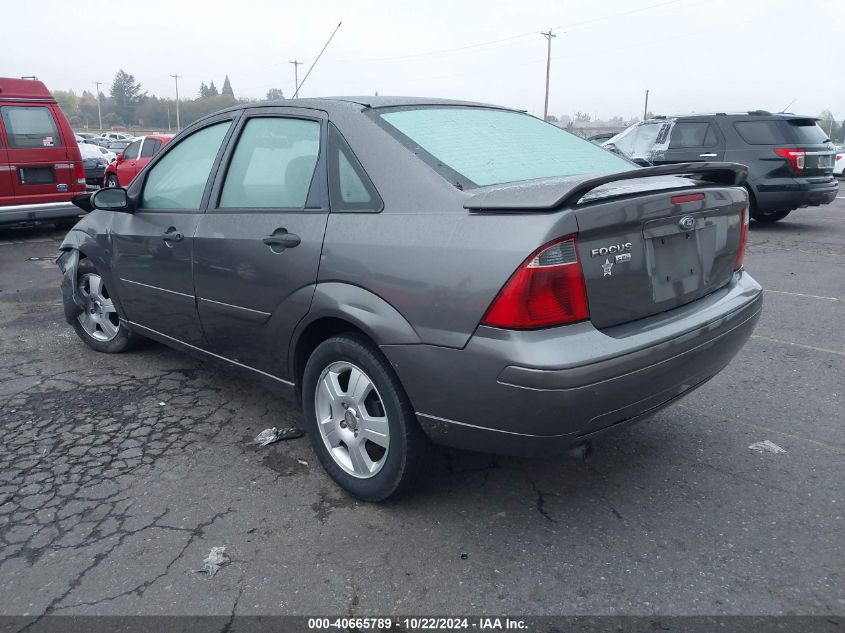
(687, 223)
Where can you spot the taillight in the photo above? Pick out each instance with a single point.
(547, 289)
(743, 240)
(794, 156)
(79, 173)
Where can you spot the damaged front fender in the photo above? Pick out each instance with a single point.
(72, 300)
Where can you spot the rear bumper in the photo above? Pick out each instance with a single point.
(34, 213)
(779, 194)
(541, 392)
(94, 176)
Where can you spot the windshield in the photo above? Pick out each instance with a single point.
(488, 147)
(639, 140)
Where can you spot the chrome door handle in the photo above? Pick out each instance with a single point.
(172, 236)
(707, 155)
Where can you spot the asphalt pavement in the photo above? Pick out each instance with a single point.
(119, 473)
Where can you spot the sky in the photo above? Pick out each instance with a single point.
(692, 55)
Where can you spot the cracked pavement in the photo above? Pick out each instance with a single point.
(119, 473)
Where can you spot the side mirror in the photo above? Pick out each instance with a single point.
(119, 157)
(110, 199)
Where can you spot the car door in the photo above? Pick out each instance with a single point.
(127, 167)
(7, 192)
(257, 248)
(152, 246)
(693, 141)
(149, 148)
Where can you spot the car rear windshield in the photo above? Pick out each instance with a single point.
(30, 126)
(487, 147)
(807, 132)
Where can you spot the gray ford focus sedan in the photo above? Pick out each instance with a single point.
(413, 269)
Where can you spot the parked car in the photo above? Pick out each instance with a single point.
(790, 158)
(117, 136)
(601, 137)
(839, 163)
(40, 164)
(137, 154)
(95, 164)
(102, 141)
(109, 155)
(117, 146)
(87, 137)
(374, 261)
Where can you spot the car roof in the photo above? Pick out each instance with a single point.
(24, 90)
(748, 114)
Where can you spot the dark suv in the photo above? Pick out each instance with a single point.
(790, 159)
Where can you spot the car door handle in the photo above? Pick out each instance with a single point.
(283, 239)
(707, 155)
(172, 236)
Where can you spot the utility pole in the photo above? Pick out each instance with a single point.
(176, 79)
(296, 65)
(645, 109)
(99, 112)
(548, 37)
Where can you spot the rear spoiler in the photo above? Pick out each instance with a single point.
(551, 193)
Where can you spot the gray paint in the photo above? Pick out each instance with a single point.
(418, 277)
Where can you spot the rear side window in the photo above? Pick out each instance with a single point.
(273, 164)
(807, 132)
(761, 132)
(178, 179)
(692, 134)
(132, 149)
(150, 147)
(487, 146)
(28, 127)
(350, 189)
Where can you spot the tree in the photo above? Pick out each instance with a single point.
(112, 118)
(227, 88)
(212, 89)
(274, 94)
(551, 118)
(125, 90)
(203, 90)
(68, 102)
(582, 117)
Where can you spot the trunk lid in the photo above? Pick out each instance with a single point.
(652, 253)
(648, 240)
(819, 151)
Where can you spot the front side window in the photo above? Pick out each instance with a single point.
(29, 127)
(272, 165)
(131, 151)
(692, 134)
(487, 146)
(178, 180)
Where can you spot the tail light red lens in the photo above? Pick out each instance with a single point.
(795, 157)
(743, 240)
(546, 290)
(79, 173)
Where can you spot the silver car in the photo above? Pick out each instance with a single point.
(416, 270)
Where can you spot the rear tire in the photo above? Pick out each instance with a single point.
(768, 217)
(111, 181)
(351, 394)
(98, 324)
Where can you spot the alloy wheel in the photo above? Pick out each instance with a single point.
(99, 317)
(352, 419)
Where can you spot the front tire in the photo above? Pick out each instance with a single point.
(360, 421)
(98, 324)
(111, 181)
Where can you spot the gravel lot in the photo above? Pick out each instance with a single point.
(119, 473)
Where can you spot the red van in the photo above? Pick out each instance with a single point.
(40, 164)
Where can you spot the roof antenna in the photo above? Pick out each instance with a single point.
(787, 105)
(296, 94)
